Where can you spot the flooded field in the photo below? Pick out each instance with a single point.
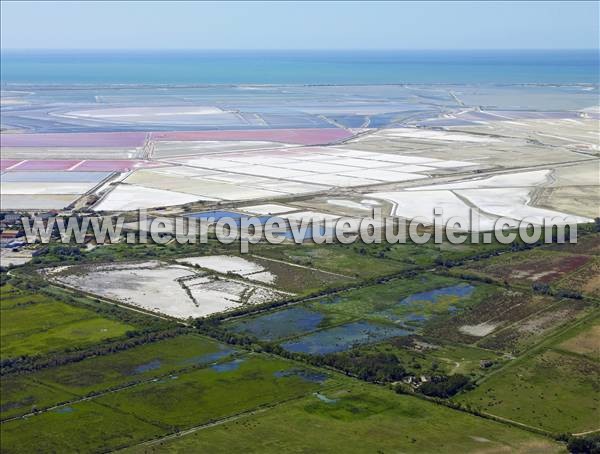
(405, 302)
(281, 324)
(342, 338)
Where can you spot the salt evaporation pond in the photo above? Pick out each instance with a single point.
(343, 337)
(280, 324)
(237, 218)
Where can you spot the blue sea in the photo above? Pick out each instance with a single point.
(299, 67)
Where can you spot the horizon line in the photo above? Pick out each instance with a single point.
(76, 49)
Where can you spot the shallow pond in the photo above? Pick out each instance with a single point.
(433, 296)
(280, 324)
(343, 337)
(228, 366)
(146, 367)
(208, 358)
(307, 375)
(399, 313)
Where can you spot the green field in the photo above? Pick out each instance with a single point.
(402, 299)
(346, 260)
(162, 406)
(197, 397)
(407, 302)
(81, 427)
(356, 418)
(105, 378)
(22, 394)
(300, 280)
(100, 373)
(585, 340)
(425, 356)
(519, 336)
(32, 323)
(552, 389)
(542, 266)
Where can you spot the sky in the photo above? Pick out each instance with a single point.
(299, 25)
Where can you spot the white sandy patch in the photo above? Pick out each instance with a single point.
(311, 157)
(291, 187)
(337, 180)
(167, 226)
(155, 289)
(267, 208)
(237, 192)
(513, 203)
(451, 164)
(350, 153)
(232, 264)
(183, 171)
(480, 330)
(36, 202)
(224, 264)
(172, 290)
(265, 277)
(403, 159)
(425, 134)
(30, 187)
(236, 178)
(317, 167)
(165, 148)
(370, 203)
(309, 216)
(270, 172)
(384, 175)
(421, 204)
(130, 197)
(9, 257)
(218, 295)
(509, 180)
(348, 204)
(214, 163)
(144, 111)
(258, 160)
(360, 163)
(410, 168)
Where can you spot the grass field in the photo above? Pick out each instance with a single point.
(54, 385)
(21, 394)
(357, 418)
(400, 303)
(81, 427)
(32, 323)
(586, 341)
(299, 280)
(348, 260)
(200, 396)
(226, 398)
(552, 389)
(429, 357)
(160, 406)
(554, 266)
(585, 280)
(410, 301)
(517, 337)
